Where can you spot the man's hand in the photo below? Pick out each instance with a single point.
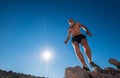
(89, 34)
(65, 42)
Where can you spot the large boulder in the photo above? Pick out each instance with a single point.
(76, 72)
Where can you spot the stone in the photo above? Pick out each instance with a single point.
(78, 72)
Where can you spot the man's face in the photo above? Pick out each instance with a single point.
(71, 22)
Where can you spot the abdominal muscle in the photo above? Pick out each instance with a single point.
(75, 34)
(75, 31)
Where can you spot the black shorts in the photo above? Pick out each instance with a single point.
(78, 38)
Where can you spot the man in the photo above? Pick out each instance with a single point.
(78, 37)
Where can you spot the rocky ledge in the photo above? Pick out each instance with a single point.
(78, 72)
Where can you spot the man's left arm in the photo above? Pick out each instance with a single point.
(86, 29)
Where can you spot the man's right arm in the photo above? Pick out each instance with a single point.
(68, 36)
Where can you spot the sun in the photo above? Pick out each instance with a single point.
(47, 55)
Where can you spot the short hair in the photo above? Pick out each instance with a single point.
(70, 20)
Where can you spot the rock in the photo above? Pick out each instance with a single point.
(11, 74)
(78, 72)
(114, 62)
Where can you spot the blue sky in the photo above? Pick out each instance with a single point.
(28, 27)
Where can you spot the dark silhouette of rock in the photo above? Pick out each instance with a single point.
(11, 74)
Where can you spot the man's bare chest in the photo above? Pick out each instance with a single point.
(75, 28)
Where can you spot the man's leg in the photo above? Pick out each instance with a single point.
(79, 55)
(87, 49)
(88, 53)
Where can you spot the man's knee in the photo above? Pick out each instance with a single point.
(86, 47)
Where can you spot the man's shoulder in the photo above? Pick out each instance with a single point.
(77, 23)
(69, 29)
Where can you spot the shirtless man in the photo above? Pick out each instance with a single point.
(78, 37)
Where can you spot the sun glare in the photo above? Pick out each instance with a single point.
(47, 55)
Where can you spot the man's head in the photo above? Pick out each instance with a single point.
(71, 21)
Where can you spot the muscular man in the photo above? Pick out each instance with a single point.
(78, 37)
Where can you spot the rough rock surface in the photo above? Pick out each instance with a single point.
(78, 72)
